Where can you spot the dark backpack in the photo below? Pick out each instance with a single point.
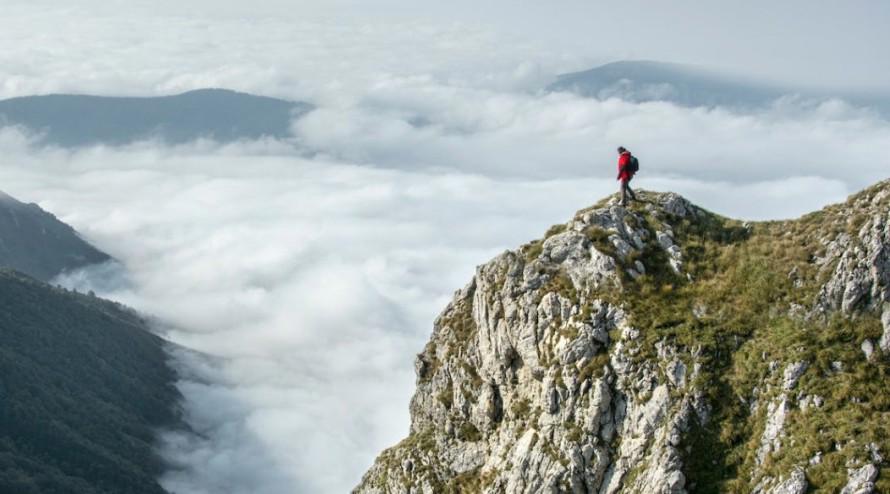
(633, 165)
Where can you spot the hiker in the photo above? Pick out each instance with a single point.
(626, 169)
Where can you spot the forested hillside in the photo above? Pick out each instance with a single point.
(83, 387)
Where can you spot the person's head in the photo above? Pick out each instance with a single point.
(621, 149)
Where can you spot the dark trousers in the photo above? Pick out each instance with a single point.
(625, 191)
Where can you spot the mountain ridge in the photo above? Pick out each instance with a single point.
(36, 243)
(662, 349)
(641, 81)
(74, 120)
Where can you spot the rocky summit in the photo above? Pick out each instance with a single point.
(661, 348)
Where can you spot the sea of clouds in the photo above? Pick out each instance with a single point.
(297, 279)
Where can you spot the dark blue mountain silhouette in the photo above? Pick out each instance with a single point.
(36, 243)
(643, 81)
(219, 114)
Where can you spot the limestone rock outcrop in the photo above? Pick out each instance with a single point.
(654, 349)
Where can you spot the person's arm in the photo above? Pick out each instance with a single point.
(622, 162)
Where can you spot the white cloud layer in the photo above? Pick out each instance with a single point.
(306, 274)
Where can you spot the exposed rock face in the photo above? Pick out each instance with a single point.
(796, 484)
(792, 374)
(770, 441)
(861, 481)
(861, 275)
(542, 376)
(885, 338)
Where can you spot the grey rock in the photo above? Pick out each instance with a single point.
(884, 342)
(622, 246)
(676, 373)
(861, 481)
(792, 374)
(875, 453)
(861, 276)
(796, 484)
(807, 401)
(868, 348)
(797, 311)
(665, 240)
(770, 440)
(676, 205)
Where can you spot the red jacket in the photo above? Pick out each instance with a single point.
(623, 161)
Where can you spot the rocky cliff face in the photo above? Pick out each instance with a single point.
(662, 349)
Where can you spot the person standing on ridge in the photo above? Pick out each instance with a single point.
(627, 167)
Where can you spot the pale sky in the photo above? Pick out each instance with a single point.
(822, 43)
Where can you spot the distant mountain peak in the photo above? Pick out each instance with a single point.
(647, 80)
(640, 81)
